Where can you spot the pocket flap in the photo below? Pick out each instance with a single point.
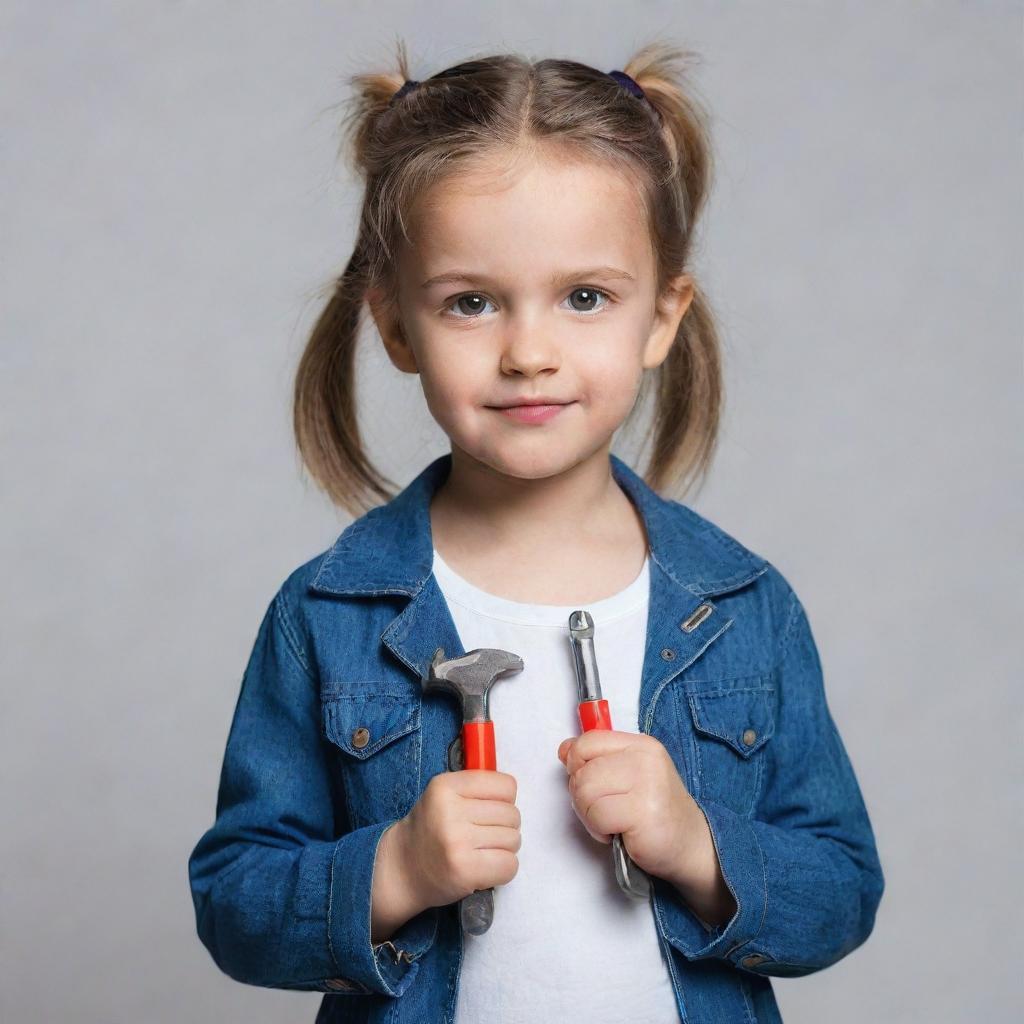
(743, 718)
(361, 723)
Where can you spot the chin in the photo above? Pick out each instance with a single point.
(523, 464)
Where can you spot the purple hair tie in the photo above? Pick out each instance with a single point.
(623, 79)
(408, 86)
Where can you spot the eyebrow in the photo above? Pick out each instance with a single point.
(561, 278)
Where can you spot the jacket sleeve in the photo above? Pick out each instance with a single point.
(280, 899)
(804, 870)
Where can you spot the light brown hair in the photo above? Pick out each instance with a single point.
(401, 148)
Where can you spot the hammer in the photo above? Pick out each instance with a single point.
(470, 677)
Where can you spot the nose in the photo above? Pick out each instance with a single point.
(528, 349)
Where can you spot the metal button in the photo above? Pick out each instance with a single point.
(360, 738)
(748, 737)
(667, 653)
(753, 960)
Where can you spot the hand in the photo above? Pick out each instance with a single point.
(462, 834)
(623, 782)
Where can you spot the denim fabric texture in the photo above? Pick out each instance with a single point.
(281, 881)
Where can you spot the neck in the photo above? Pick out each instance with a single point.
(478, 506)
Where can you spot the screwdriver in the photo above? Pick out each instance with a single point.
(595, 714)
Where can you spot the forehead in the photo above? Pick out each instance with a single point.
(537, 214)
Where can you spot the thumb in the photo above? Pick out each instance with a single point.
(563, 749)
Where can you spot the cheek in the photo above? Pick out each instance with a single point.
(455, 382)
(611, 379)
(446, 365)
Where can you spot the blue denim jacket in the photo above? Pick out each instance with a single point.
(281, 881)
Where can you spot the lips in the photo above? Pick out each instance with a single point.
(535, 400)
(534, 412)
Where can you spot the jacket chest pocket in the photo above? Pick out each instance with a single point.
(731, 728)
(375, 737)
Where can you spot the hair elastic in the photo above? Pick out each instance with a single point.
(623, 79)
(410, 84)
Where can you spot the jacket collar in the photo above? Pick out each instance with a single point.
(389, 550)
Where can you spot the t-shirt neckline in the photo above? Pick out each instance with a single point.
(458, 590)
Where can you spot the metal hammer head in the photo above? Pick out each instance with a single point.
(470, 677)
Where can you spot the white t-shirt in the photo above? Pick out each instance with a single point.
(566, 943)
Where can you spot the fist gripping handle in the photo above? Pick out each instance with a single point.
(594, 714)
(470, 677)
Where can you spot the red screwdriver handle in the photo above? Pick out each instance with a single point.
(594, 714)
(478, 746)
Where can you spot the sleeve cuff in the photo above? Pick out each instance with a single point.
(742, 863)
(388, 967)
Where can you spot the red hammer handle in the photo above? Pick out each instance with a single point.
(478, 746)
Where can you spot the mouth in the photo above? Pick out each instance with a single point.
(534, 412)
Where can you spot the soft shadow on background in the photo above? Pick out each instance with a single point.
(172, 209)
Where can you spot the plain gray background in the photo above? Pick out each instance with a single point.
(173, 208)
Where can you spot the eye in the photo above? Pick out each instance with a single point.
(589, 295)
(469, 298)
(472, 303)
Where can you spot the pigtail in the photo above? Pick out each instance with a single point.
(325, 419)
(664, 72)
(688, 389)
(688, 401)
(325, 409)
(362, 131)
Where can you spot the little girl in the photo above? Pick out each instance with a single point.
(523, 247)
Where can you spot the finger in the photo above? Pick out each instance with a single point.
(495, 812)
(585, 797)
(598, 742)
(596, 835)
(612, 771)
(613, 813)
(481, 784)
(496, 837)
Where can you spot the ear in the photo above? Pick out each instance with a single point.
(389, 326)
(670, 309)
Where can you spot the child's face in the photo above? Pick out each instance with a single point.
(529, 315)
